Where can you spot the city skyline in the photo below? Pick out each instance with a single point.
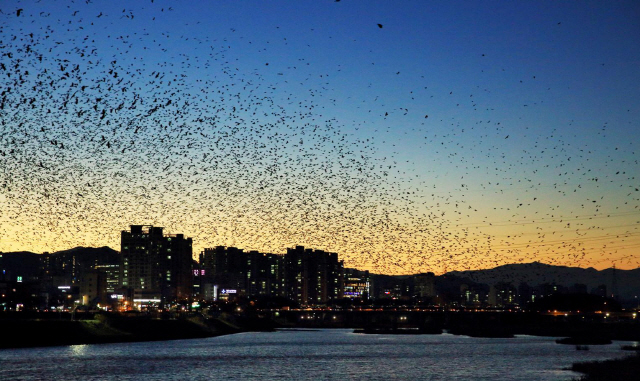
(197, 257)
(407, 138)
(153, 267)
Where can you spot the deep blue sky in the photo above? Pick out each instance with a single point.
(458, 135)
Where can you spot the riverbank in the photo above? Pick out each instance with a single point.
(47, 329)
(303, 354)
(587, 329)
(627, 368)
(109, 329)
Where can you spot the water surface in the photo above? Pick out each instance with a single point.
(307, 355)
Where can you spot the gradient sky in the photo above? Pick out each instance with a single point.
(458, 135)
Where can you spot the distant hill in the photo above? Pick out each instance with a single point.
(20, 263)
(80, 250)
(17, 253)
(71, 262)
(535, 273)
(83, 259)
(104, 252)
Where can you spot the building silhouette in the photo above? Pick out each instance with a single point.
(93, 288)
(156, 267)
(266, 274)
(227, 272)
(112, 276)
(357, 284)
(425, 285)
(306, 276)
(313, 277)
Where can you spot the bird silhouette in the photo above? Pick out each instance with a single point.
(243, 137)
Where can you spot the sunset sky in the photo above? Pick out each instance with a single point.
(405, 136)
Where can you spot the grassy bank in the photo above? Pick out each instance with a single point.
(38, 333)
(627, 368)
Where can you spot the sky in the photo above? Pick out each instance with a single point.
(405, 136)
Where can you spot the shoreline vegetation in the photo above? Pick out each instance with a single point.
(103, 329)
(569, 330)
(34, 330)
(626, 368)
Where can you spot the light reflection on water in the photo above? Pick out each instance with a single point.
(306, 355)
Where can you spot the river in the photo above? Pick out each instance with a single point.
(336, 354)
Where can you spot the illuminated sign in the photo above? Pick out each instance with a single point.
(64, 287)
(117, 296)
(146, 300)
(228, 291)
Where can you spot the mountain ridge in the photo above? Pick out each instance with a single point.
(627, 282)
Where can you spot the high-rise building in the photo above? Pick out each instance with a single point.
(226, 268)
(307, 276)
(313, 276)
(235, 272)
(266, 274)
(424, 285)
(157, 267)
(357, 284)
(112, 276)
(93, 287)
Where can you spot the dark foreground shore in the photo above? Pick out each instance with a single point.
(627, 368)
(24, 330)
(585, 329)
(99, 330)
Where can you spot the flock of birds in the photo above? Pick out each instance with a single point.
(102, 129)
